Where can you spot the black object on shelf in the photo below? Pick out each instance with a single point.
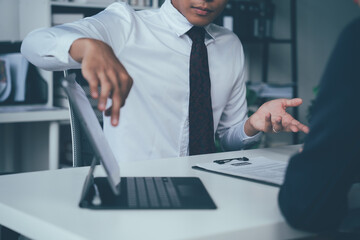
(249, 20)
(74, 9)
(35, 88)
(9, 47)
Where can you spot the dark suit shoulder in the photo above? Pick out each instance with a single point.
(314, 194)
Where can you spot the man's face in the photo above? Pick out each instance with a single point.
(199, 12)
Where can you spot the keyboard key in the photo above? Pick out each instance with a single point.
(154, 200)
(141, 191)
(164, 199)
(174, 198)
(131, 192)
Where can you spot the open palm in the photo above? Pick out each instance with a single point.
(272, 117)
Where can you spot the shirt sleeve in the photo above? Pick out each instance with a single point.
(231, 126)
(235, 138)
(48, 48)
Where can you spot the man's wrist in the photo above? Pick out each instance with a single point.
(249, 128)
(78, 47)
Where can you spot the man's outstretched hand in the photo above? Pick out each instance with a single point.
(100, 66)
(272, 117)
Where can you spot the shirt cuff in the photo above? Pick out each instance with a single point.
(246, 138)
(61, 50)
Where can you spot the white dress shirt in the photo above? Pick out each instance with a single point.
(155, 50)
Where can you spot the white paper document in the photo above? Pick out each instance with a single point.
(260, 169)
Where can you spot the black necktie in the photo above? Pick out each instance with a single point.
(201, 123)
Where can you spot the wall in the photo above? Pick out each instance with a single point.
(9, 20)
(319, 22)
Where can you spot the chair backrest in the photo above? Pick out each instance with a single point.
(82, 150)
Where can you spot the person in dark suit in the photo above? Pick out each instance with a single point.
(313, 196)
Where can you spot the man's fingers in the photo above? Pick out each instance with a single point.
(106, 87)
(117, 86)
(295, 102)
(277, 125)
(112, 89)
(268, 124)
(121, 83)
(105, 70)
(303, 128)
(126, 84)
(93, 81)
(115, 108)
(300, 126)
(294, 128)
(101, 67)
(108, 111)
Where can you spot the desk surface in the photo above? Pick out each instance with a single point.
(44, 205)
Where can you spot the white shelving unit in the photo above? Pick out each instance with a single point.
(155, 4)
(39, 137)
(29, 134)
(37, 13)
(34, 116)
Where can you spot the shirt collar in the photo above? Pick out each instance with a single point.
(179, 23)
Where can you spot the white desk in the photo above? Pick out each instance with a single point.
(44, 205)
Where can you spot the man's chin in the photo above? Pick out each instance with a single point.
(200, 21)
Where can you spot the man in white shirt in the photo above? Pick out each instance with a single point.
(148, 52)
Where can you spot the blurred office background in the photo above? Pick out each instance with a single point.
(37, 140)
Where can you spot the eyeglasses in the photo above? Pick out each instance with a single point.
(223, 161)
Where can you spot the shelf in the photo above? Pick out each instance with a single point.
(80, 5)
(91, 5)
(289, 41)
(16, 114)
(265, 90)
(10, 47)
(268, 40)
(141, 8)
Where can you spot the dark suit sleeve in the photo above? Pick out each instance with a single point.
(314, 194)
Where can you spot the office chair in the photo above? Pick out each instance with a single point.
(82, 150)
